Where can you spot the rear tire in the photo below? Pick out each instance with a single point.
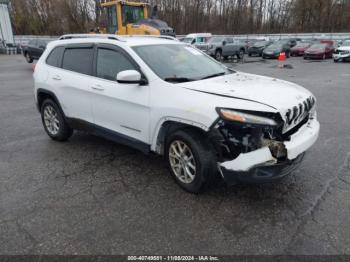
(54, 122)
(28, 58)
(191, 160)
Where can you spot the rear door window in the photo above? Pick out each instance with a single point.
(78, 59)
(55, 57)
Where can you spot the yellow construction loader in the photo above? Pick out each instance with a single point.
(122, 17)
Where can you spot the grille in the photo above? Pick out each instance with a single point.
(341, 52)
(298, 113)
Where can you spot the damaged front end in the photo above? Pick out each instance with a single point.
(255, 147)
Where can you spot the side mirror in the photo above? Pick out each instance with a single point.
(224, 43)
(129, 77)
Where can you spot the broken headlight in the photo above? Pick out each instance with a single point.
(245, 118)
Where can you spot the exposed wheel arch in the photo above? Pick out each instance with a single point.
(171, 126)
(43, 94)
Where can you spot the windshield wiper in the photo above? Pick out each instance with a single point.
(214, 75)
(178, 79)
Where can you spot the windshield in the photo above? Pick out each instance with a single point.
(180, 63)
(302, 45)
(318, 46)
(260, 43)
(275, 46)
(346, 43)
(132, 14)
(187, 40)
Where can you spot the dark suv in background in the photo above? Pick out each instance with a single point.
(34, 49)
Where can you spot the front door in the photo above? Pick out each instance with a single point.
(120, 108)
(227, 49)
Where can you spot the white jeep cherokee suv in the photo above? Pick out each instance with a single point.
(163, 96)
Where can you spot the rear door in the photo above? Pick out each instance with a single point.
(228, 48)
(120, 108)
(73, 81)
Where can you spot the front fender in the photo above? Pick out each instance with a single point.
(176, 120)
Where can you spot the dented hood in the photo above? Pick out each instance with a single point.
(277, 94)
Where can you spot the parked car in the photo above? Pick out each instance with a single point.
(250, 42)
(224, 47)
(342, 53)
(34, 49)
(166, 97)
(319, 51)
(274, 50)
(328, 42)
(300, 48)
(258, 48)
(197, 39)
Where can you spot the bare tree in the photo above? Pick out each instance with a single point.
(185, 16)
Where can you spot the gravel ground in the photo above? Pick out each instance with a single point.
(91, 196)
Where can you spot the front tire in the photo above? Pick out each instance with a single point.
(191, 160)
(54, 122)
(240, 54)
(218, 55)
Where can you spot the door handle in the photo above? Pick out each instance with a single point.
(56, 77)
(97, 88)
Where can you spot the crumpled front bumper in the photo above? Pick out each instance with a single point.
(260, 166)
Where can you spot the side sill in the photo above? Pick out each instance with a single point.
(116, 137)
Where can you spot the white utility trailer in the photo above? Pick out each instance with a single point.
(6, 34)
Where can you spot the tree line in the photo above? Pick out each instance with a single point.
(55, 17)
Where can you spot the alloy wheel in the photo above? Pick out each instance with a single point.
(51, 120)
(28, 57)
(218, 55)
(182, 161)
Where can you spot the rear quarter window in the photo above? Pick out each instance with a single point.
(55, 57)
(78, 60)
